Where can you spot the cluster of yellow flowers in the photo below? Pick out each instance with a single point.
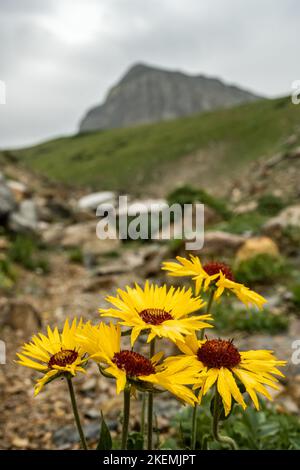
(159, 312)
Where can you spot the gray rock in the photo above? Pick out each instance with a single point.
(149, 94)
(7, 201)
(68, 435)
(288, 217)
(19, 315)
(84, 235)
(25, 219)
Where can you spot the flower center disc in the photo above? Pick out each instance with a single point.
(155, 316)
(133, 363)
(63, 358)
(217, 353)
(214, 268)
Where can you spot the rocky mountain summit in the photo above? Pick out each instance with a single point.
(148, 94)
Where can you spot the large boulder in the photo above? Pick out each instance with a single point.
(257, 246)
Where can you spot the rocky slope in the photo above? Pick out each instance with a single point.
(82, 270)
(148, 94)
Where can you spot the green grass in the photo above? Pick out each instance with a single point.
(296, 295)
(270, 204)
(25, 251)
(7, 274)
(75, 255)
(241, 223)
(227, 319)
(254, 430)
(131, 159)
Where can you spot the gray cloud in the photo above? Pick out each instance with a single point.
(59, 58)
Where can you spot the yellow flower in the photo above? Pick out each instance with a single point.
(217, 274)
(220, 362)
(54, 354)
(102, 342)
(165, 313)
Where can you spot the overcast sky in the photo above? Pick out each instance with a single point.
(59, 57)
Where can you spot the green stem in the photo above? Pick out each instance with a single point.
(126, 412)
(216, 415)
(76, 414)
(143, 411)
(150, 405)
(194, 428)
(208, 310)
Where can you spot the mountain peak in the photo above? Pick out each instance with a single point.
(147, 94)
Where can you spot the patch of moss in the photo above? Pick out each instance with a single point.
(270, 204)
(260, 269)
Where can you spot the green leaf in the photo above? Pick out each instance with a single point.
(135, 441)
(105, 441)
(105, 374)
(295, 443)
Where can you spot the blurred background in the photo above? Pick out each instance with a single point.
(165, 100)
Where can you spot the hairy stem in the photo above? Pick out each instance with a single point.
(126, 413)
(194, 427)
(143, 412)
(215, 430)
(76, 414)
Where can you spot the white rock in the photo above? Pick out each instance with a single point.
(145, 206)
(93, 200)
(19, 190)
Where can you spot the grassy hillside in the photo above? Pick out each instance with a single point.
(164, 153)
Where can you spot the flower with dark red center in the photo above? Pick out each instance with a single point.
(63, 358)
(103, 345)
(217, 353)
(155, 316)
(214, 274)
(163, 312)
(214, 268)
(222, 366)
(133, 363)
(54, 354)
